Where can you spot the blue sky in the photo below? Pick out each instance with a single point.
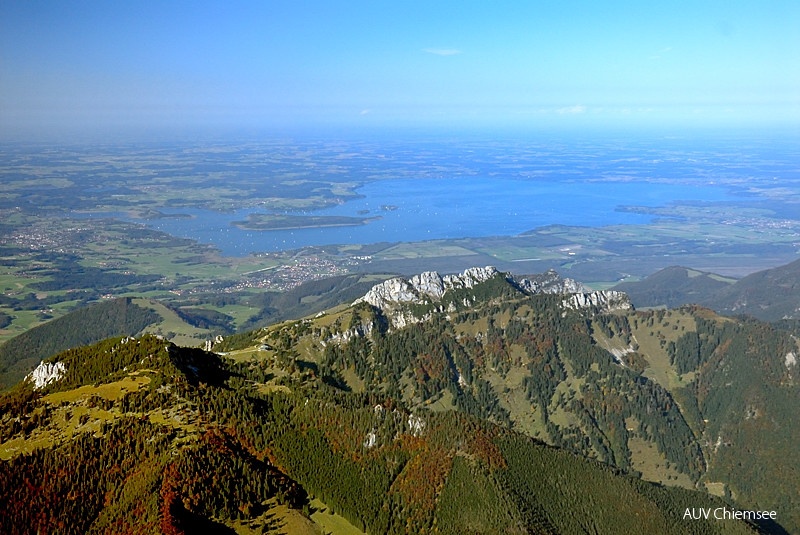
(103, 65)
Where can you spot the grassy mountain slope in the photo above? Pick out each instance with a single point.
(161, 439)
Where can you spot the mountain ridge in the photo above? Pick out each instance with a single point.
(770, 295)
(197, 462)
(390, 423)
(395, 296)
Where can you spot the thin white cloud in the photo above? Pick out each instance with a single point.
(442, 51)
(572, 110)
(365, 112)
(657, 55)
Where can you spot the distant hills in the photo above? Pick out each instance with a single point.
(769, 295)
(675, 286)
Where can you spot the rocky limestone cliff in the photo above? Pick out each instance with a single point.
(426, 287)
(429, 288)
(46, 373)
(550, 282)
(605, 300)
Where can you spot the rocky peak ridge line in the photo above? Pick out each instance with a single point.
(430, 287)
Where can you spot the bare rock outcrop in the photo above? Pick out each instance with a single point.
(550, 282)
(426, 287)
(393, 296)
(604, 300)
(46, 373)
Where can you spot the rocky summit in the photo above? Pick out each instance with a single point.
(394, 296)
(430, 286)
(426, 287)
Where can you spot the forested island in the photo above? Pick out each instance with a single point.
(287, 222)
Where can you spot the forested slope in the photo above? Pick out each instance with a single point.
(21, 354)
(680, 397)
(469, 405)
(140, 436)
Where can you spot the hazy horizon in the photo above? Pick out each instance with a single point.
(100, 69)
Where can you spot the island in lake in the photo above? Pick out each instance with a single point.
(152, 214)
(288, 222)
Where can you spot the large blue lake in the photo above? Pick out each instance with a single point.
(425, 209)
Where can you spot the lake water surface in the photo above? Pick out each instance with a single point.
(425, 209)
